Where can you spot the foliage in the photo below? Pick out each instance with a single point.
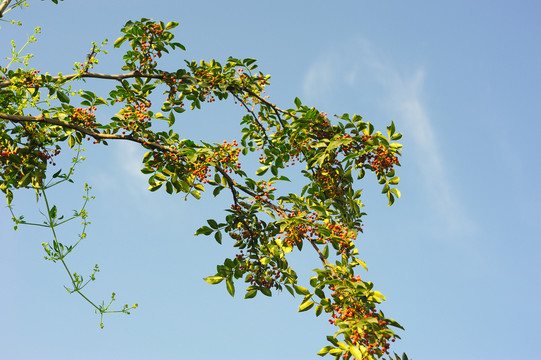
(43, 115)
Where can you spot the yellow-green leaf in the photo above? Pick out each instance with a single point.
(214, 279)
(307, 305)
(230, 287)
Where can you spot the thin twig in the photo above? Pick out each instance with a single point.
(276, 109)
(253, 115)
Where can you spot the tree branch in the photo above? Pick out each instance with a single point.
(3, 5)
(253, 115)
(276, 109)
(119, 77)
(233, 185)
(96, 135)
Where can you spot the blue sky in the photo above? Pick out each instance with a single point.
(457, 256)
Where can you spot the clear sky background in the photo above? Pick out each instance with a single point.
(457, 256)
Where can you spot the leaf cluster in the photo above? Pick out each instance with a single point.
(43, 115)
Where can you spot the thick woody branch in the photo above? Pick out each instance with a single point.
(3, 5)
(95, 135)
(83, 75)
(233, 185)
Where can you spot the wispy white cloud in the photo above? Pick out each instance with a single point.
(121, 172)
(357, 64)
(320, 78)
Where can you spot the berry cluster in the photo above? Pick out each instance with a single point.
(321, 128)
(295, 235)
(330, 179)
(36, 144)
(264, 192)
(47, 155)
(4, 153)
(226, 156)
(148, 51)
(137, 115)
(28, 78)
(339, 235)
(349, 309)
(382, 161)
(260, 275)
(85, 117)
(28, 151)
(209, 79)
(173, 84)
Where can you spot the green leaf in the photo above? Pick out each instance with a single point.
(196, 194)
(228, 263)
(160, 177)
(336, 352)
(396, 192)
(359, 262)
(262, 170)
(155, 187)
(119, 41)
(170, 25)
(391, 129)
(199, 187)
(205, 230)
(391, 198)
(217, 190)
(288, 288)
(394, 180)
(356, 352)
(266, 291)
(57, 174)
(147, 156)
(171, 118)
(325, 350)
(301, 290)
(250, 294)
(298, 102)
(53, 212)
(319, 292)
(230, 286)
(248, 61)
(62, 97)
(307, 305)
(218, 237)
(325, 252)
(332, 340)
(378, 296)
(212, 223)
(214, 279)
(100, 101)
